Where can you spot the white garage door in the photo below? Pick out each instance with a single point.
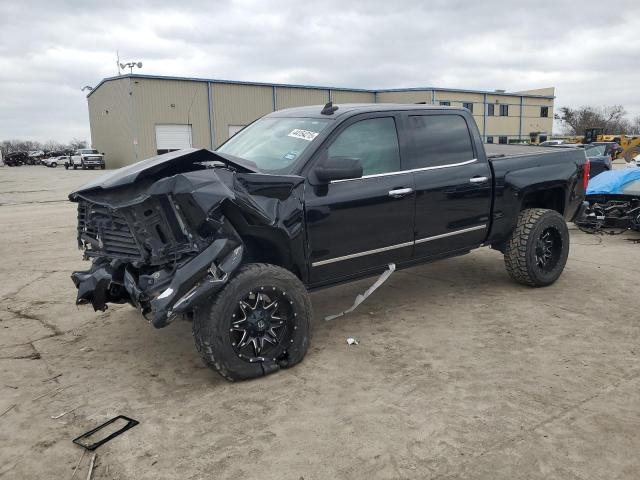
(173, 137)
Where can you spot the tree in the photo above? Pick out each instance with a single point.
(635, 125)
(75, 144)
(576, 120)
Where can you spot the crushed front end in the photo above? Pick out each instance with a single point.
(158, 237)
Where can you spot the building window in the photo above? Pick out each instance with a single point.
(468, 106)
(491, 110)
(504, 110)
(446, 103)
(502, 140)
(544, 112)
(489, 139)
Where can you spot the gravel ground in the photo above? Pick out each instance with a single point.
(459, 373)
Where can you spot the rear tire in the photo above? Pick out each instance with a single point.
(225, 328)
(538, 247)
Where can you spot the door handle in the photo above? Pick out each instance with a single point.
(400, 192)
(478, 179)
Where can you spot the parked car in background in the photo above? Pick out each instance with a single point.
(15, 159)
(551, 143)
(610, 148)
(599, 160)
(57, 160)
(87, 158)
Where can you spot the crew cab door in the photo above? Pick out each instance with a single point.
(360, 224)
(453, 182)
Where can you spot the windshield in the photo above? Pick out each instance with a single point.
(273, 144)
(87, 150)
(594, 150)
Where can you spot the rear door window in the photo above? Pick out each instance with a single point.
(373, 141)
(439, 140)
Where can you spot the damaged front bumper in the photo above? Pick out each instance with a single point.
(169, 232)
(160, 302)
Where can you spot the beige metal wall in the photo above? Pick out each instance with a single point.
(158, 102)
(111, 124)
(235, 104)
(287, 97)
(123, 125)
(345, 96)
(413, 96)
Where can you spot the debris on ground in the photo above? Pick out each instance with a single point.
(363, 296)
(352, 341)
(91, 465)
(85, 441)
(64, 413)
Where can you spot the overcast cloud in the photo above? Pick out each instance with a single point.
(588, 50)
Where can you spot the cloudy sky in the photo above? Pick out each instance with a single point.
(588, 50)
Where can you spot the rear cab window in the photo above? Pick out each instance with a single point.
(439, 140)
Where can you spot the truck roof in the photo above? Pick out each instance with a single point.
(347, 109)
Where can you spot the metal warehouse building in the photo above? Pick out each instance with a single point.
(134, 117)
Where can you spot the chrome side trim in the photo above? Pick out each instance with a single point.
(399, 245)
(451, 234)
(361, 254)
(400, 172)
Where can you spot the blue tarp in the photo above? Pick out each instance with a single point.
(613, 181)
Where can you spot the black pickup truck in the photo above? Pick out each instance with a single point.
(310, 197)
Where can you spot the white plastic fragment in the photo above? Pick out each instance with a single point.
(352, 341)
(362, 296)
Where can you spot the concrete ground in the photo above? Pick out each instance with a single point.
(459, 373)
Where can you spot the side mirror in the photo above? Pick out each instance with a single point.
(338, 168)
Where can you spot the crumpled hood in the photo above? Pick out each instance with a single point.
(154, 168)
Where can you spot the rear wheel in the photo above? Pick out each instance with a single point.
(258, 323)
(538, 247)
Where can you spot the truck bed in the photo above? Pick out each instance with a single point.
(499, 151)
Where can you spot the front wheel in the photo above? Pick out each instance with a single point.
(538, 247)
(258, 323)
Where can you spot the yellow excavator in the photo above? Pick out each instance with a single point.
(629, 144)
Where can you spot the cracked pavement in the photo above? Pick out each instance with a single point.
(459, 372)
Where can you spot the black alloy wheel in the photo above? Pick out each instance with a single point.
(262, 324)
(548, 249)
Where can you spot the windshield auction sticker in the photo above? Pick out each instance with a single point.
(303, 134)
